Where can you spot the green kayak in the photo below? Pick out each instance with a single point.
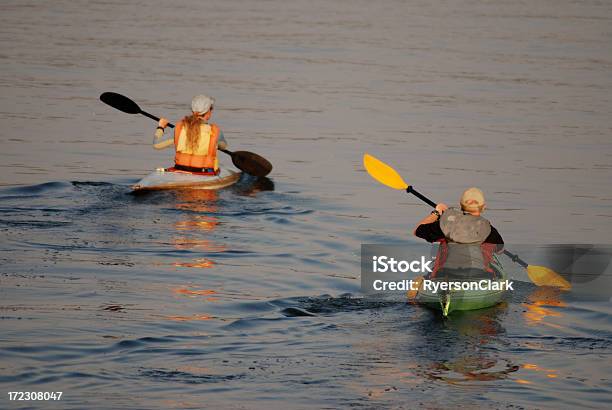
(479, 297)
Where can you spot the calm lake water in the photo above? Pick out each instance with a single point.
(249, 297)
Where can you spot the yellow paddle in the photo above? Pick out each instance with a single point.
(412, 294)
(541, 275)
(383, 173)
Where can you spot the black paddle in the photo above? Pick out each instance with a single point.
(246, 161)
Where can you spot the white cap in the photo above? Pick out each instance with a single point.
(202, 103)
(472, 199)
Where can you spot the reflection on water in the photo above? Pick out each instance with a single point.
(189, 318)
(479, 368)
(195, 293)
(198, 218)
(539, 303)
(183, 242)
(194, 229)
(251, 186)
(198, 263)
(198, 221)
(461, 346)
(550, 373)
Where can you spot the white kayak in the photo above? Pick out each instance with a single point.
(163, 178)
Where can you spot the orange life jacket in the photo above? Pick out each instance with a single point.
(205, 153)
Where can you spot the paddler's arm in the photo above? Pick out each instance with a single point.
(177, 132)
(496, 239)
(159, 133)
(429, 227)
(221, 142)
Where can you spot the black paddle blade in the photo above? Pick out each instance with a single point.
(120, 102)
(251, 163)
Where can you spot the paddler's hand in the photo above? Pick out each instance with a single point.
(432, 217)
(441, 208)
(163, 122)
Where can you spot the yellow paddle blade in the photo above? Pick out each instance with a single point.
(383, 173)
(543, 276)
(418, 285)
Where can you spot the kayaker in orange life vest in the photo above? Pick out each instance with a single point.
(195, 139)
(467, 240)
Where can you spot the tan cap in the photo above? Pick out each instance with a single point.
(472, 199)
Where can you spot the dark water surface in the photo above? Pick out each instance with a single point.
(249, 297)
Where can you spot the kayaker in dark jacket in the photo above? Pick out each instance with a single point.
(467, 240)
